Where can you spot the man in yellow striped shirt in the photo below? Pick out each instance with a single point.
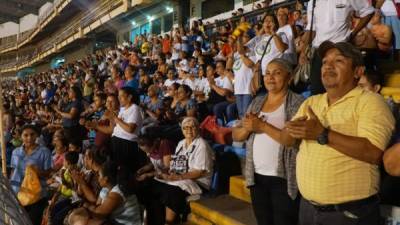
(343, 135)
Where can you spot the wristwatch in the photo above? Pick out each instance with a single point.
(322, 139)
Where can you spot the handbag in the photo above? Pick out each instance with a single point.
(257, 80)
(210, 128)
(30, 190)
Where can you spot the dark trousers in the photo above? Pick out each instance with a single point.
(366, 214)
(316, 85)
(225, 111)
(35, 211)
(127, 154)
(271, 202)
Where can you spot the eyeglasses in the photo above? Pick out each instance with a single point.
(189, 128)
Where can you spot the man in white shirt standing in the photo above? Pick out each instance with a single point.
(332, 22)
(286, 28)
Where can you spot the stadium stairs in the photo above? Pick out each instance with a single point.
(391, 88)
(233, 208)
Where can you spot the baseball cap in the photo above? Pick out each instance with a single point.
(348, 50)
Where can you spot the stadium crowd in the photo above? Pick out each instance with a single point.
(123, 130)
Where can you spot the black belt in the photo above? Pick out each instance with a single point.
(344, 206)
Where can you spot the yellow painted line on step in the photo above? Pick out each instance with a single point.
(213, 216)
(198, 220)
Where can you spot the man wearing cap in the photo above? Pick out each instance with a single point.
(332, 21)
(343, 133)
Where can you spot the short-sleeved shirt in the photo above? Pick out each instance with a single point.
(332, 19)
(153, 106)
(259, 43)
(327, 176)
(134, 83)
(156, 157)
(129, 115)
(40, 157)
(243, 75)
(181, 110)
(196, 156)
(72, 122)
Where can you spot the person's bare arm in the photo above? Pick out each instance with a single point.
(391, 160)
(112, 201)
(280, 45)
(363, 23)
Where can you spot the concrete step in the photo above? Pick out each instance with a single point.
(224, 210)
(238, 189)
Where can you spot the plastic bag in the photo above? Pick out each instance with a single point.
(30, 190)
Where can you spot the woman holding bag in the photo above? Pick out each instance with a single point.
(32, 155)
(270, 166)
(269, 45)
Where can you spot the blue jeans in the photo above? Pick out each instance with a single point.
(242, 102)
(225, 110)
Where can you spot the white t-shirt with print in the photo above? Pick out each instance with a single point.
(243, 75)
(258, 44)
(199, 157)
(224, 83)
(202, 84)
(129, 115)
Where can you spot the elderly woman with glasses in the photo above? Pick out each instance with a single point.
(189, 172)
(270, 166)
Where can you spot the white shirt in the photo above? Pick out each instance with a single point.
(129, 115)
(388, 8)
(266, 149)
(202, 84)
(190, 83)
(243, 75)
(224, 83)
(200, 157)
(169, 82)
(258, 44)
(332, 18)
(273, 2)
(290, 53)
(175, 51)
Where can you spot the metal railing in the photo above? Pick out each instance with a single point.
(251, 16)
(22, 37)
(81, 21)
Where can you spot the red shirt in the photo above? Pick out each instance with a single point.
(166, 46)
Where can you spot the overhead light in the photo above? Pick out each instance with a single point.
(169, 9)
(133, 23)
(150, 18)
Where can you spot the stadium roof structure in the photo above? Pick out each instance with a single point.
(13, 10)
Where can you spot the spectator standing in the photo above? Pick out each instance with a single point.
(332, 22)
(277, 42)
(344, 133)
(270, 166)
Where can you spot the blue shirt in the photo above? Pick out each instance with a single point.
(132, 84)
(72, 122)
(40, 157)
